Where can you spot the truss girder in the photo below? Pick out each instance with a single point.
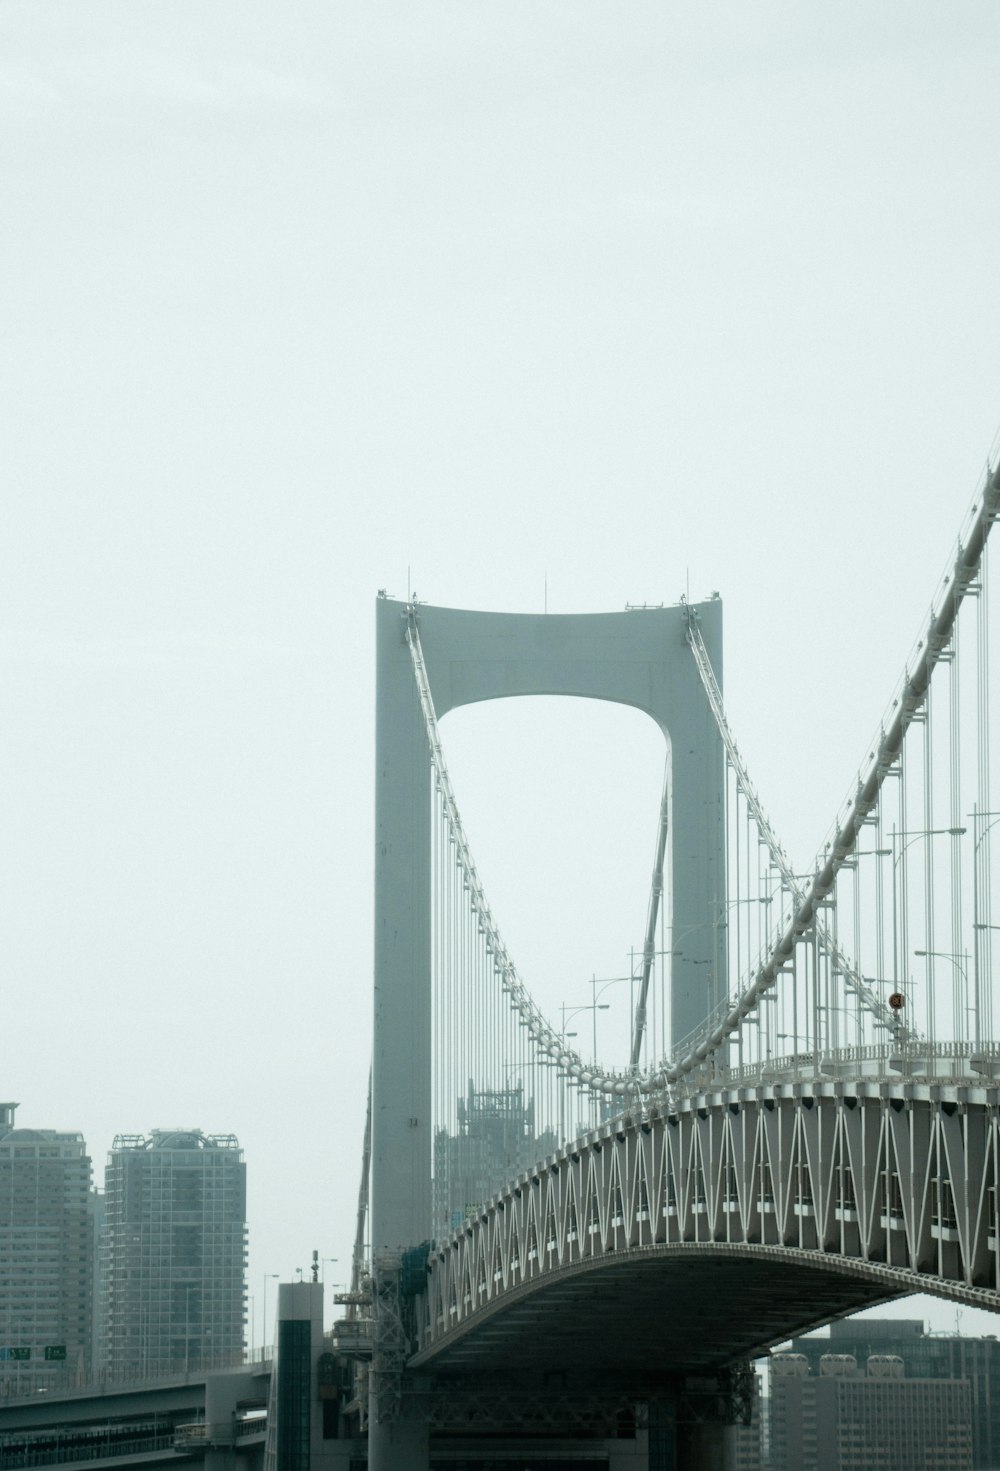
(895, 1186)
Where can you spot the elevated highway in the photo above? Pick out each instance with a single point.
(215, 1419)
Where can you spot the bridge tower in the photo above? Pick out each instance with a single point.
(639, 658)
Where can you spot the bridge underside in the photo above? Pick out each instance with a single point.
(672, 1312)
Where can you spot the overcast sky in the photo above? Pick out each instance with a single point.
(479, 300)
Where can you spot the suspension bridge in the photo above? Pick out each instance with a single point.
(805, 1121)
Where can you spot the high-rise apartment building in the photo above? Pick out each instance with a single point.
(175, 1252)
(46, 1257)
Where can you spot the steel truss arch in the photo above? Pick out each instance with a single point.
(890, 1185)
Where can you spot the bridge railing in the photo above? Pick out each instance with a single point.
(221, 1435)
(64, 1447)
(947, 1061)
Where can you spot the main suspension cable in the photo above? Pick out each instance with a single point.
(840, 961)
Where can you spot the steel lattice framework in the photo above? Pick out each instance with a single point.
(891, 1184)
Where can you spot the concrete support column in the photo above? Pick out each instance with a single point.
(629, 1455)
(687, 1445)
(400, 1446)
(706, 1447)
(217, 1459)
(337, 1455)
(401, 1059)
(223, 1392)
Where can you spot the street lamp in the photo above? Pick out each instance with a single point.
(950, 955)
(569, 1012)
(977, 840)
(854, 1017)
(912, 837)
(977, 816)
(605, 982)
(963, 971)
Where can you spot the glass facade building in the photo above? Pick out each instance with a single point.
(175, 1253)
(46, 1257)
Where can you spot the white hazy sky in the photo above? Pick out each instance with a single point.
(303, 301)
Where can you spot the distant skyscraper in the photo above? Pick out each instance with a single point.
(46, 1256)
(869, 1417)
(175, 1252)
(495, 1139)
(925, 1356)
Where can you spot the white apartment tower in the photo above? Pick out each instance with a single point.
(46, 1257)
(175, 1252)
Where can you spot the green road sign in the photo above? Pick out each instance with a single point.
(56, 1351)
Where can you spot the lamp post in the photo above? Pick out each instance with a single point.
(569, 1012)
(963, 971)
(268, 1277)
(912, 837)
(852, 1017)
(605, 983)
(977, 840)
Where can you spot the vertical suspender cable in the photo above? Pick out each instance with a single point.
(927, 826)
(652, 910)
(985, 759)
(798, 893)
(963, 1031)
(361, 1223)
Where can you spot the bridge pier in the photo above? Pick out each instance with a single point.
(501, 1420)
(399, 1445)
(629, 1455)
(703, 1447)
(667, 1446)
(678, 1442)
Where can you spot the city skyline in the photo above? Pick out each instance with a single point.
(141, 1273)
(565, 314)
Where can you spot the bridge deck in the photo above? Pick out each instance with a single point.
(690, 1308)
